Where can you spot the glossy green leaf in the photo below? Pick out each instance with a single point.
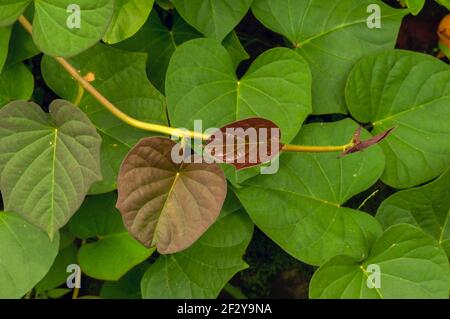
(201, 84)
(427, 207)
(203, 270)
(128, 287)
(409, 91)
(129, 17)
(415, 6)
(5, 34)
(10, 10)
(56, 30)
(121, 77)
(411, 265)
(57, 275)
(26, 255)
(300, 207)
(331, 35)
(16, 83)
(115, 252)
(47, 163)
(159, 42)
(213, 18)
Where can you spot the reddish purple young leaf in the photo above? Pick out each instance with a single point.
(361, 145)
(245, 143)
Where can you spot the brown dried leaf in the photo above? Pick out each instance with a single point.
(167, 204)
(245, 143)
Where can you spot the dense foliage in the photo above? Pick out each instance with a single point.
(92, 91)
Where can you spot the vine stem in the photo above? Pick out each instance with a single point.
(157, 128)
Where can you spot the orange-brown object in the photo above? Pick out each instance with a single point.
(444, 31)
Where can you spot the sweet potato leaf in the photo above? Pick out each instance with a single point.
(16, 83)
(159, 42)
(166, 204)
(55, 36)
(408, 91)
(203, 270)
(213, 18)
(245, 143)
(300, 207)
(115, 252)
(427, 207)
(26, 255)
(48, 162)
(331, 35)
(121, 77)
(129, 17)
(201, 84)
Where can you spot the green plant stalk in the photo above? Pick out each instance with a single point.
(157, 128)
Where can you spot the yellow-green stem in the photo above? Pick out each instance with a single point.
(157, 128)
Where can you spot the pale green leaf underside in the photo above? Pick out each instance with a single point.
(412, 265)
(202, 270)
(427, 207)
(129, 17)
(116, 251)
(16, 83)
(51, 31)
(121, 77)
(201, 84)
(26, 255)
(410, 91)
(300, 206)
(47, 162)
(331, 35)
(213, 18)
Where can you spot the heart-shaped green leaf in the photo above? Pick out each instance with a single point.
(410, 263)
(129, 17)
(10, 10)
(160, 43)
(67, 28)
(201, 84)
(115, 252)
(121, 77)
(26, 255)
(331, 35)
(213, 18)
(22, 48)
(414, 6)
(300, 207)
(408, 91)
(427, 207)
(16, 83)
(47, 163)
(166, 204)
(203, 270)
